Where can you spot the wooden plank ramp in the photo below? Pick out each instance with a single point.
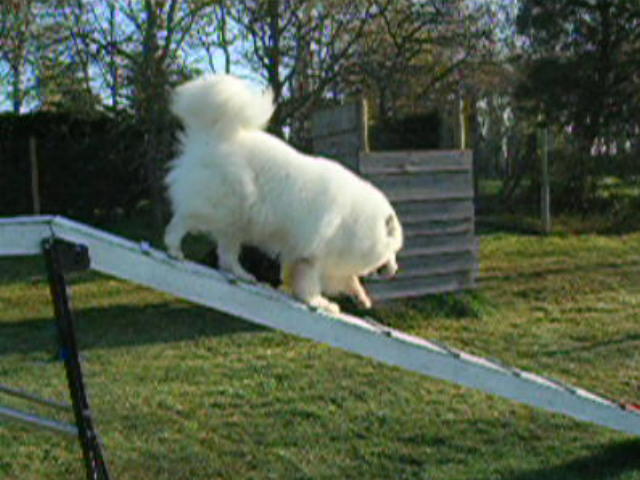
(141, 264)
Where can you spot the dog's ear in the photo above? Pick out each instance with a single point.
(391, 225)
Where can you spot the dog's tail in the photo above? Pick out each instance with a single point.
(221, 104)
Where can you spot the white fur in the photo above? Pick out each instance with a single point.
(244, 186)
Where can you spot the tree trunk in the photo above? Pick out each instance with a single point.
(153, 112)
(16, 93)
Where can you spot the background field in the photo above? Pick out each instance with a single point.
(180, 392)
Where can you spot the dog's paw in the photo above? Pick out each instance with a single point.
(322, 303)
(245, 276)
(176, 254)
(365, 302)
(332, 307)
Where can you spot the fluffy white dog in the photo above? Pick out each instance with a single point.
(243, 186)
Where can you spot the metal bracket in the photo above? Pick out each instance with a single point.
(70, 257)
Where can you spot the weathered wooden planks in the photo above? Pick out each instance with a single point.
(340, 133)
(432, 192)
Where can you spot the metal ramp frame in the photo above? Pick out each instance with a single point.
(62, 258)
(141, 264)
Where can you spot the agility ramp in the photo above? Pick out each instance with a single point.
(141, 264)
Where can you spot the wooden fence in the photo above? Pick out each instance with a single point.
(432, 192)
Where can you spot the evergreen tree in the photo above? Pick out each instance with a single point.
(582, 74)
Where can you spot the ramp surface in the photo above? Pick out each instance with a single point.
(141, 264)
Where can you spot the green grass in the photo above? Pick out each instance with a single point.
(181, 392)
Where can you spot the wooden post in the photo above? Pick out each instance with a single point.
(545, 199)
(363, 126)
(341, 133)
(35, 177)
(462, 119)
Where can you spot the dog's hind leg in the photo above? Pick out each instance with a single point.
(306, 286)
(173, 235)
(286, 277)
(228, 259)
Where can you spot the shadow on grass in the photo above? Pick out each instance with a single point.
(21, 269)
(615, 342)
(611, 462)
(32, 271)
(464, 305)
(123, 326)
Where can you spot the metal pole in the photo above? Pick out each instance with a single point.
(16, 392)
(58, 255)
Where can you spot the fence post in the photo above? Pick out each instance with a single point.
(545, 193)
(35, 176)
(462, 121)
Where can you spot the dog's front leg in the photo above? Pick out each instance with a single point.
(306, 285)
(228, 260)
(357, 290)
(173, 235)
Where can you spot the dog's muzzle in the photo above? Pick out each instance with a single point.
(388, 269)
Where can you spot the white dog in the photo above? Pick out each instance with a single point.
(243, 186)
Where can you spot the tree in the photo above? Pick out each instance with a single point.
(414, 49)
(77, 54)
(301, 48)
(49, 63)
(18, 30)
(582, 76)
(141, 50)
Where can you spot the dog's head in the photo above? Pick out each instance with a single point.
(391, 240)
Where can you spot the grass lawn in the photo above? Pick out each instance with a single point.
(181, 392)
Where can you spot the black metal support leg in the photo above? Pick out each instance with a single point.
(62, 257)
